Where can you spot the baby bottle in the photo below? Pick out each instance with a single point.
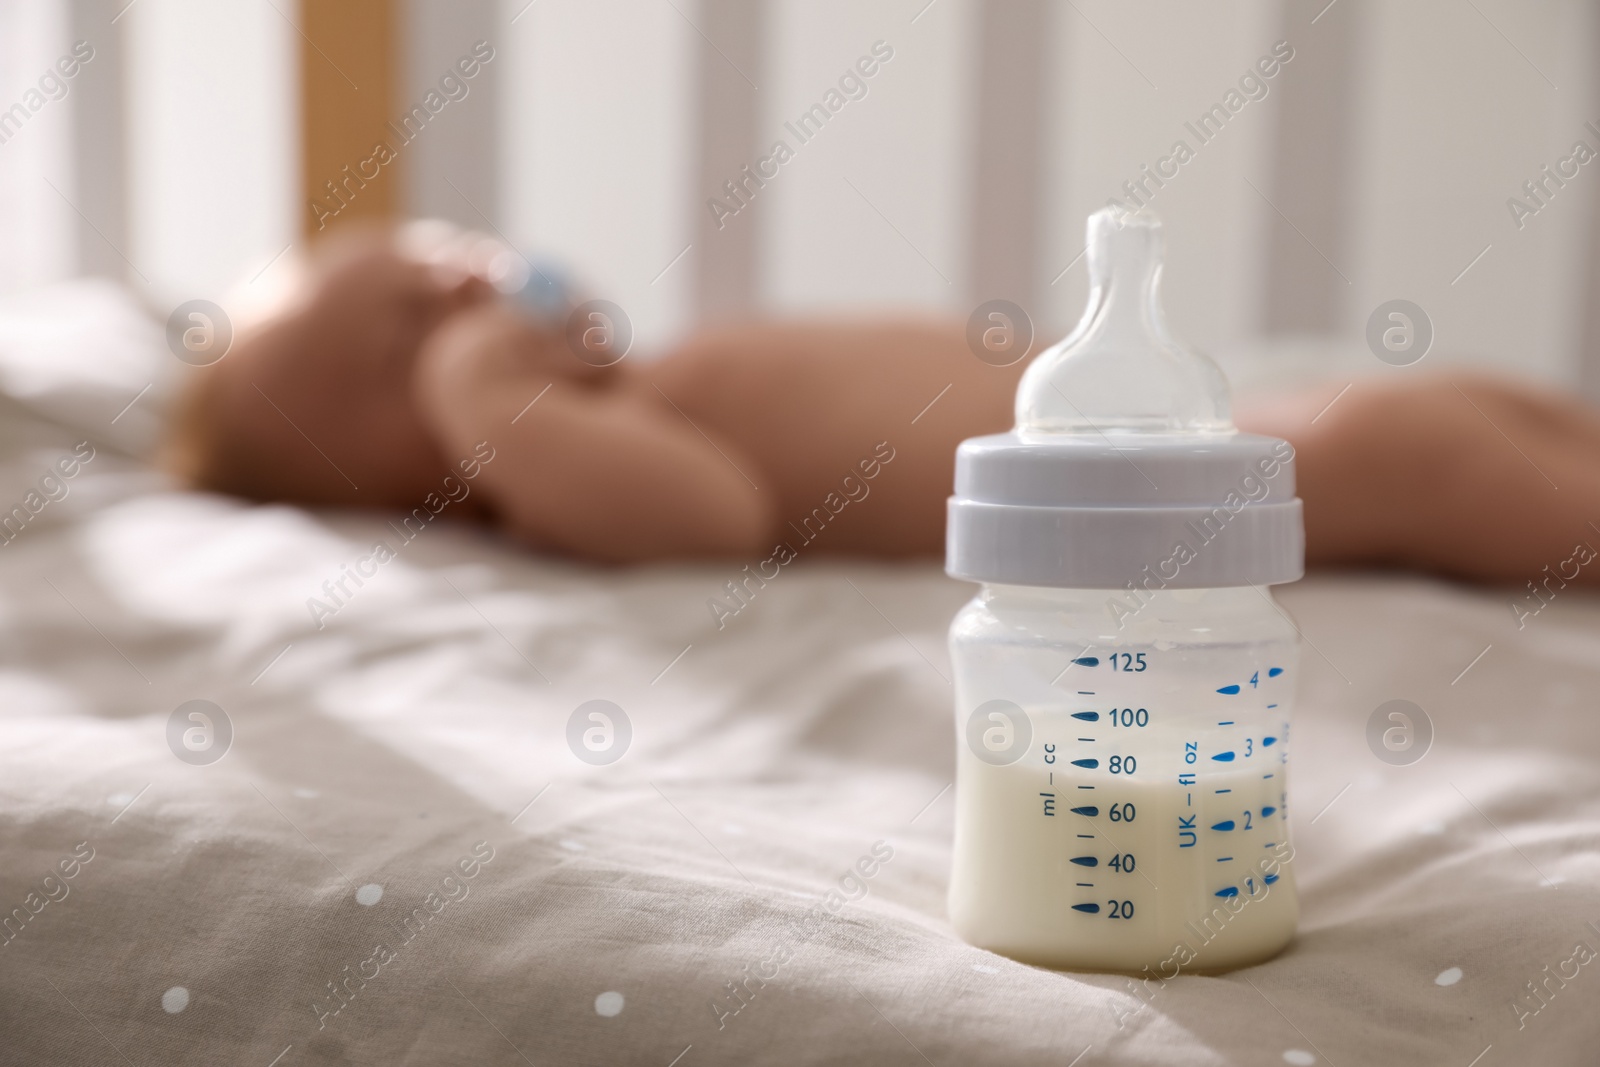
(1123, 679)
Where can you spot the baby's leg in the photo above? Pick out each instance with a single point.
(1465, 475)
(592, 468)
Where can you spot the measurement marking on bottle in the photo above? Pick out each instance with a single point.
(1267, 811)
(1225, 825)
(1221, 791)
(1224, 859)
(1224, 757)
(1085, 885)
(1273, 672)
(1227, 722)
(1091, 909)
(1229, 690)
(1269, 878)
(1271, 706)
(1086, 787)
(1087, 716)
(1230, 891)
(1265, 741)
(1086, 692)
(1266, 776)
(1088, 809)
(1088, 739)
(1089, 836)
(1087, 764)
(1086, 861)
(1087, 661)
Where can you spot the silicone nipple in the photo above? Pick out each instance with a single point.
(1122, 369)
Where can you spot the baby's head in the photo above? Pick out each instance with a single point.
(313, 404)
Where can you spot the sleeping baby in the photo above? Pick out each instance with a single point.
(397, 359)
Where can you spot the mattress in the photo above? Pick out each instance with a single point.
(390, 838)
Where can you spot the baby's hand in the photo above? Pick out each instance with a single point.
(497, 341)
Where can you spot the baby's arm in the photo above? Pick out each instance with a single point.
(595, 467)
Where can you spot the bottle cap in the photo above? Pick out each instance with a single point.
(1124, 465)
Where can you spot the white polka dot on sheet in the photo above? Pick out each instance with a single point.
(1449, 976)
(369, 894)
(608, 1004)
(1299, 1057)
(175, 999)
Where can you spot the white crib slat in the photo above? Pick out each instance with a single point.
(1307, 186)
(1013, 43)
(873, 208)
(1458, 111)
(212, 142)
(36, 221)
(1125, 81)
(450, 168)
(1582, 291)
(729, 69)
(596, 141)
(99, 160)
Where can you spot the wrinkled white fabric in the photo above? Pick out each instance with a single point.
(424, 727)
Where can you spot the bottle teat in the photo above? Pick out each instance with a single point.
(1121, 369)
(1124, 448)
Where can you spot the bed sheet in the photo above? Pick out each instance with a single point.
(400, 860)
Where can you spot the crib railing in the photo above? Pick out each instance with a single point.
(1384, 156)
